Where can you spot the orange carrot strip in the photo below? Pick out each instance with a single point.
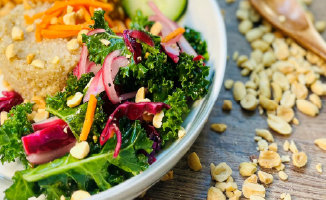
(30, 20)
(87, 16)
(89, 118)
(109, 20)
(91, 11)
(38, 35)
(60, 20)
(47, 19)
(63, 5)
(173, 34)
(69, 27)
(52, 34)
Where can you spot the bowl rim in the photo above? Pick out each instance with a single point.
(136, 185)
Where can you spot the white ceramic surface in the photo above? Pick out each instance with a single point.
(204, 16)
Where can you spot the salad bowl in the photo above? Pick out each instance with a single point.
(204, 16)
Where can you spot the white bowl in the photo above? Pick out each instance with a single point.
(204, 16)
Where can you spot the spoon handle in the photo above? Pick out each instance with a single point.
(296, 24)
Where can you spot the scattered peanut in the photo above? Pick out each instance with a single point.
(299, 159)
(252, 189)
(265, 134)
(81, 150)
(295, 121)
(320, 26)
(307, 107)
(285, 158)
(288, 99)
(157, 120)
(293, 148)
(220, 128)
(227, 105)
(3, 116)
(167, 176)
(194, 162)
(221, 172)
(283, 176)
(321, 143)
(262, 145)
(279, 125)
(17, 33)
(10, 51)
(286, 113)
(273, 147)
(73, 45)
(267, 104)
(247, 168)
(319, 168)
(249, 102)
(228, 84)
(269, 159)
(215, 194)
(315, 99)
(79, 195)
(220, 186)
(265, 177)
(29, 58)
(38, 63)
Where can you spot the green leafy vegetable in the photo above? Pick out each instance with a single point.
(173, 117)
(140, 22)
(192, 76)
(96, 172)
(97, 50)
(21, 189)
(75, 117)
(195, 40)
(15, 127)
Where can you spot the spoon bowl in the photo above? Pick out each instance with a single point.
(289, 17)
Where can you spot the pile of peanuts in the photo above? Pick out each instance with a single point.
(281, 74)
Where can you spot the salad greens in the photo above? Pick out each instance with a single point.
(75, 117)
(195, 40)
(16, 126)
(166, 81)
(67, 174)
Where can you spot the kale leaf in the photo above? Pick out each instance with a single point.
(173, 117)
(192, 76)
(97, 50)
(195, 40)
(94, 173)
(140, 22)
(15, 127)
(21, 189)
(75, 117)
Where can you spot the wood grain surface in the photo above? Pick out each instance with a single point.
(236, 144)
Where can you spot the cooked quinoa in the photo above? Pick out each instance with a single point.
(24, 78)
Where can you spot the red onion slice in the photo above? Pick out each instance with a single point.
(174, 40)
(82, 61)
(111, 66)
(46, 157)
(49, 123)
(173, 51)
(92, 67)
(95, 31)
(96, 86)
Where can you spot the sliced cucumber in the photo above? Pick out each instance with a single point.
(173, 9)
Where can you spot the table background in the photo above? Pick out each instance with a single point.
(236, 144)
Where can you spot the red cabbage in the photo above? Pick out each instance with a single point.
(10, 100)
(133, 111)
(47, 140)
(49, 123)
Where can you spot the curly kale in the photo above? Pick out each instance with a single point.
(140, 22)
(95, 173)
(75, 117)
(15, 127)
(195, 40)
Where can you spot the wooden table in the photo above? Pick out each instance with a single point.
(236, 144)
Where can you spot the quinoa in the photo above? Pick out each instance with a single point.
(24, 78)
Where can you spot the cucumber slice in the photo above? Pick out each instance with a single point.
(173, 9)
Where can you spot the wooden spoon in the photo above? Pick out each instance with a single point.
(289, 17)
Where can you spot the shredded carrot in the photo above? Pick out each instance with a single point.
(173, 34)
(91, 10)
(60, 20)
(52, 34)
(38, 34)
(69, 27)
(89, 118)
(47, 19)
(109, 20)
(63, 5)
(87, 16)
(30, 20)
